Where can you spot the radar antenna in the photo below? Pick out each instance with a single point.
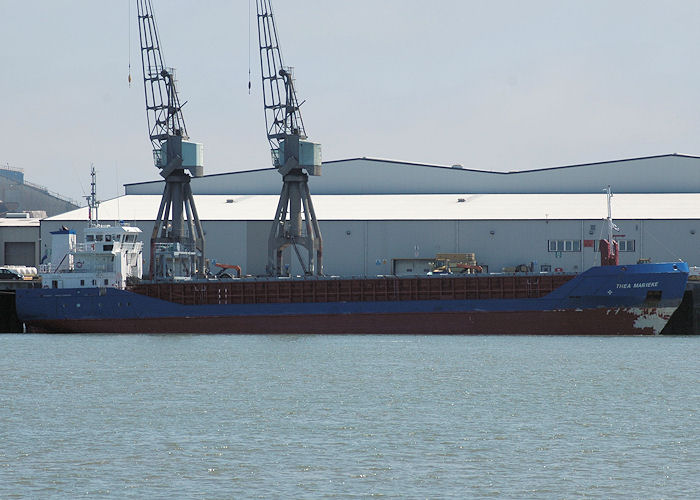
(294, 157)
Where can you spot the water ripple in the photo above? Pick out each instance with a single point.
(348, 417)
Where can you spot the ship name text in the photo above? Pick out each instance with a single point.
(648, 284)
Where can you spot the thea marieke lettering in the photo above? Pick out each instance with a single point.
(648, 284)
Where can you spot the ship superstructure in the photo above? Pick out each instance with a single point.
(109, 256)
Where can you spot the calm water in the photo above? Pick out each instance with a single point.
(348, 417)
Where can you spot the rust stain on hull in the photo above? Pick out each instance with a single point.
(603, 321)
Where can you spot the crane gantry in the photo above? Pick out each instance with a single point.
(177, 242)
(294, 157)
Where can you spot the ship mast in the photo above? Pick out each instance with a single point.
(609, 249)
(610, 221)
(92, 202)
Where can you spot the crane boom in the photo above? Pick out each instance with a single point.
(282, 113)
(163, 109)
(294, 157)
(177, 242)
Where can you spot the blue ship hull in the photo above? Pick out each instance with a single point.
(610, 300)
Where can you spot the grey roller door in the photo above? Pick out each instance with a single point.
(19, 254)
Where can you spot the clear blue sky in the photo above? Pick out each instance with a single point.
(498, 85)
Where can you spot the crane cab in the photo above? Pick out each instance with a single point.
(309, 156)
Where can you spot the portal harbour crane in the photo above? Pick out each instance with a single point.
(177, 242)
(294, 157)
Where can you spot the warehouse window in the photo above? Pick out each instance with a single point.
(625, 245)
(564, 245)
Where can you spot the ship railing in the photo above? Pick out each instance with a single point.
(132, 245)
(85, 247)
(176, 249)
(48, 269)
(170, 245)
(117, 245)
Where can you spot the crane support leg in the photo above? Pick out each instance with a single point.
(300, 229)
(177, 245)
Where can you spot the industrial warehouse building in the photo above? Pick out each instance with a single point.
(383, 217)
(19, 239)
(22, 205)
(19, 195)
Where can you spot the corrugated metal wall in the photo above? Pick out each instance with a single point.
(368, 247)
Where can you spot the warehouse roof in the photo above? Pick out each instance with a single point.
(416, 207)
(19, 222)
(671, 173)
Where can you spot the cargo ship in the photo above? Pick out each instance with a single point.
(96, 289)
